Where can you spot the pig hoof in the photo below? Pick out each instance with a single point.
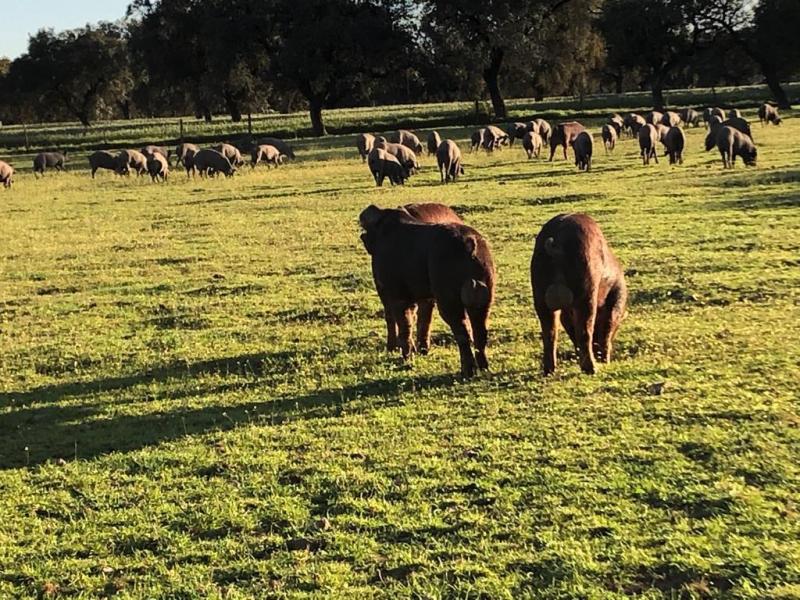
(423, 350)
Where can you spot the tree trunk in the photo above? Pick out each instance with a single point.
(658, 94)
(778, 93)
(315, 110)
(233, 108)
(619, 81)
(491, 75)
(207, 114)
(125, 108)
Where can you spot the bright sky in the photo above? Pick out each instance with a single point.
(20, 18)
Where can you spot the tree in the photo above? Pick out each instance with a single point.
(767, 34)
(496, 33)
(77, 71)
(330, 50)
(655, 37)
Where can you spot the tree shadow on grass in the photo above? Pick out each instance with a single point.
(45, 428)
(781, 200)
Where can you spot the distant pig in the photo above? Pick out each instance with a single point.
(448, 158)
(583, 146)
(6, 174)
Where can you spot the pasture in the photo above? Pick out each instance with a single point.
(196, 402)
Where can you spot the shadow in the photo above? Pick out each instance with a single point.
(771, 201)
(43, 428)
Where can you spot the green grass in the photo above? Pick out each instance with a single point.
(138, 132)
(195, 402)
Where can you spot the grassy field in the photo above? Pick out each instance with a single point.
(196, 402)
(113, 134)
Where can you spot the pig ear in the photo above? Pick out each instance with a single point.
(471, 245)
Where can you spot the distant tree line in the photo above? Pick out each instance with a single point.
(234, 57)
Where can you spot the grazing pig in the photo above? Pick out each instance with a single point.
(148, 151)
(266, 154)
(184, 149)
(231, 153)
(653, 117)
(732, 143)
(768, 114)
(609, 134)
(407, 139)
(634, 123)
(403, 153)
(674, 143)
(448, 158)
(516, 131)
(383, 164)
(583, 146)
(575, 273)
(158, 167)
(616, 122)
(544, 130)
(661, 131)
(449, 263)
(425, 213)
(671, 119)
(284, 148)
(102, 160)
(434, 141)
(714, 125)
(49, 160)
(563, 135)
(6, 174)
(210, 162)
(648, 138)
(690, 117)
(476, 140)
(131, 160)
(713, 112)
(493, 138)
(532, 144)
(734, 113)
(364, 143)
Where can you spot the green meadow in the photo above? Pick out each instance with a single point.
(196, 402)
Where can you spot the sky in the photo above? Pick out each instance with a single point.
(20, 18)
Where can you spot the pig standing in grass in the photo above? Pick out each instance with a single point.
(768, 114)
(690, 117)
(284, 148)
(532, 144)
(49, 160)
(158, 167)
(476, 140)
(184, 149)
(266, 154)
(434, 141)
(131, 160)
(583, 146)
(448, 158)
(732, 143)
(576, 277)
(210, 162)
(231, 153)
(6, 174)
(148, 151)
(563, 135)
(516, 131)
(671, 119)
(407, 139)
(674, 143)
(609, 134)
(648, 138)
(383, 164)
(364, 143)
(102, 160)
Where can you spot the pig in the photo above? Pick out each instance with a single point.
(690, 117)
(515, 131)
(49, 160)
(493, 138)
(670, 119)
(184, 149)
(407, 139)
(284, 148)
(544, 130)
(634, 123)
(158, 167)
(713, 112)
(674, 143)
(532, 144)
(231, 153)
(768, 114)
(450, 263)
(364, 143)
(102, 160)
(434, 141)
(734, 113)
(583, 146)
(6, 174)
(210, 162)
(266, 154)
(617, 123)
(383, 164)
(609, 134)
(148, 151)
(653, 117)
(424, 213)
(563, 135)
(576, 277)
(448, 158)
(732, 143)
(403, 153)
(714, 124)
(477, 139)
(648, 138)
(740, 124)
(131, 160)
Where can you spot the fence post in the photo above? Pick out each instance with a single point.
(27, 142)
(250, 124)
(180, 122)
